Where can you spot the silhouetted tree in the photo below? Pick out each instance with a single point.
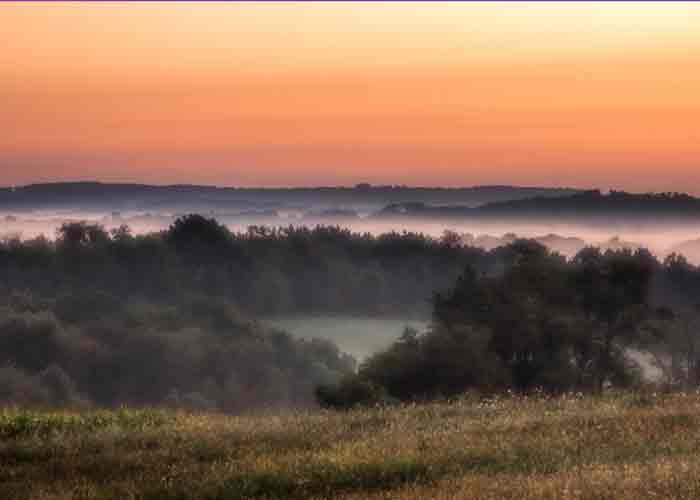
(613, 292)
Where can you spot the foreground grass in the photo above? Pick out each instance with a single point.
(614, 447)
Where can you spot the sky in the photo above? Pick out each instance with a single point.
(603, 95)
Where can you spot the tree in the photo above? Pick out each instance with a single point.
(525, 310)
(195, 233)
(81, 234)
(613, 292)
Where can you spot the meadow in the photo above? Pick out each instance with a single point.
(616, 446)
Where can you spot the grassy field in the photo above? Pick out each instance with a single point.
(612, 447)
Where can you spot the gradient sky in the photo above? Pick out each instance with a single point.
(579, 94)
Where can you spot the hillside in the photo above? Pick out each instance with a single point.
(104, 196)
(577, 205)
(622, 446)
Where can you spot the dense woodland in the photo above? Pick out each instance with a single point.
(109, 318)
(263, 271)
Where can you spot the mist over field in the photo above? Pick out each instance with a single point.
(356, 335)
(565, 220)
(662, 238)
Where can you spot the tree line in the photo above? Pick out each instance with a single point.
(264, 271)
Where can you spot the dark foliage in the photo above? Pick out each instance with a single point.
(349, 392)
(263, 271)
(543, 323)
(193, 355)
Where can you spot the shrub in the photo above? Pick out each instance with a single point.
(351, 392)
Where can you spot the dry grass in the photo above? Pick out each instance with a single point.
(616, 447)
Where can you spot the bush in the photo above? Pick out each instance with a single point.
(351, 392)
(19, 388)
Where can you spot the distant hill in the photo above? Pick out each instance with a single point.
(116, 197)
(580, 204)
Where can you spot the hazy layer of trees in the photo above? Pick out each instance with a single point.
(107, 318)
(543, 323)
(199, 354)
(263, 271)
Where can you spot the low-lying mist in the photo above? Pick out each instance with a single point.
(359, 336)
(565, 236)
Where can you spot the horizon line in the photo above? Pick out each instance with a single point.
(357, 185)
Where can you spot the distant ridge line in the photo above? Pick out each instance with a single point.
(358, 187)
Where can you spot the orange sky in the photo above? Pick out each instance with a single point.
(587, 94)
